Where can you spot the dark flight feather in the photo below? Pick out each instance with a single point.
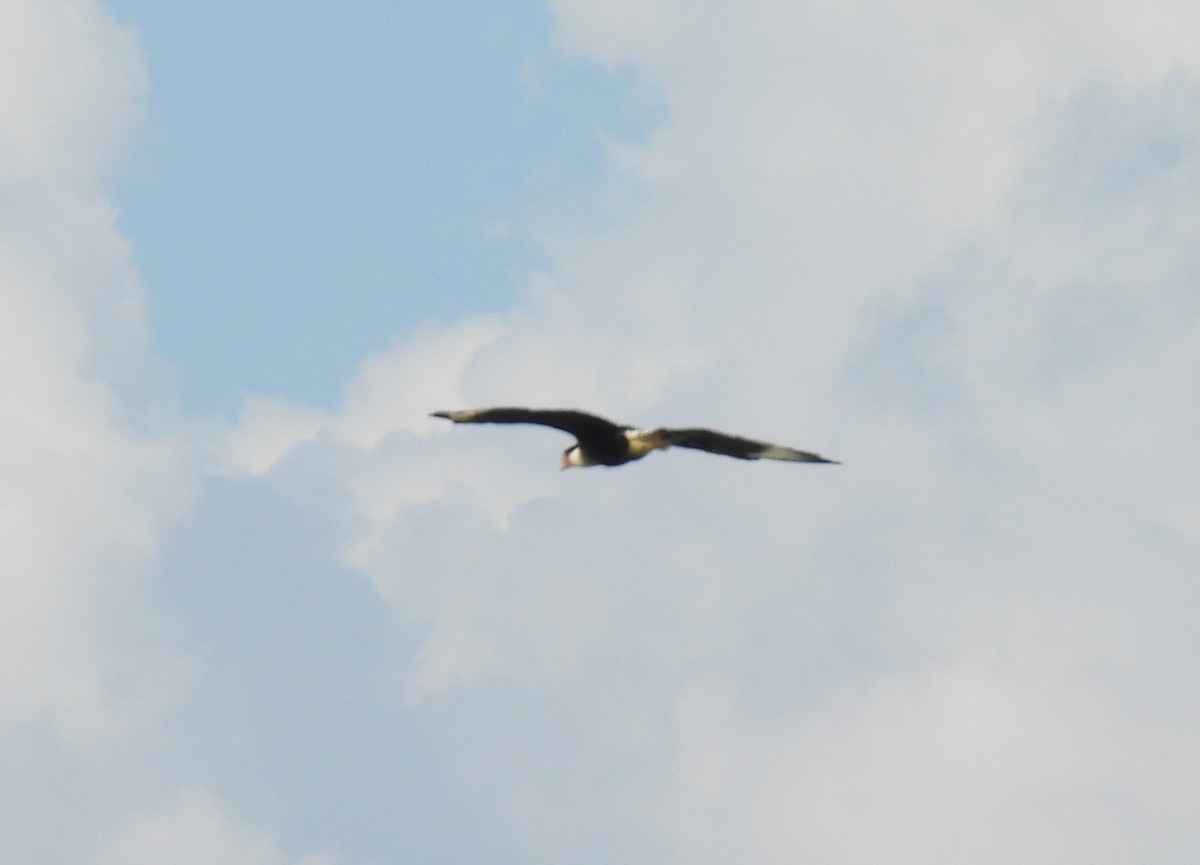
(737, 447)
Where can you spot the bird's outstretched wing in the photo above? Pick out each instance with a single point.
(736, 446)
(580, 424)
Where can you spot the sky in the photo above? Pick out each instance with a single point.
(374, 168)
(259, 608)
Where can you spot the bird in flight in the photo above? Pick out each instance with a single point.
(601, 442)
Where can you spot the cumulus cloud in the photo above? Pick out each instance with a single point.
(196, 829)
(954, 248)
(96, 468)
(88, 477)
(971, 278)
(69, 82)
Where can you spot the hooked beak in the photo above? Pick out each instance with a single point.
(565, 463)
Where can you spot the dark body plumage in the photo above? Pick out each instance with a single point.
(602, 442)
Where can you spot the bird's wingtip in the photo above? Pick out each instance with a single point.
(817, 458)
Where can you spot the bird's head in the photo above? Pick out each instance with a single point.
(572, 456)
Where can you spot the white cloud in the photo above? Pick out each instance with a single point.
(70, 79)
(197, 829)
(87, 480)
(971, 278)
(93, 467)
(973, 761)
(954, 248)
